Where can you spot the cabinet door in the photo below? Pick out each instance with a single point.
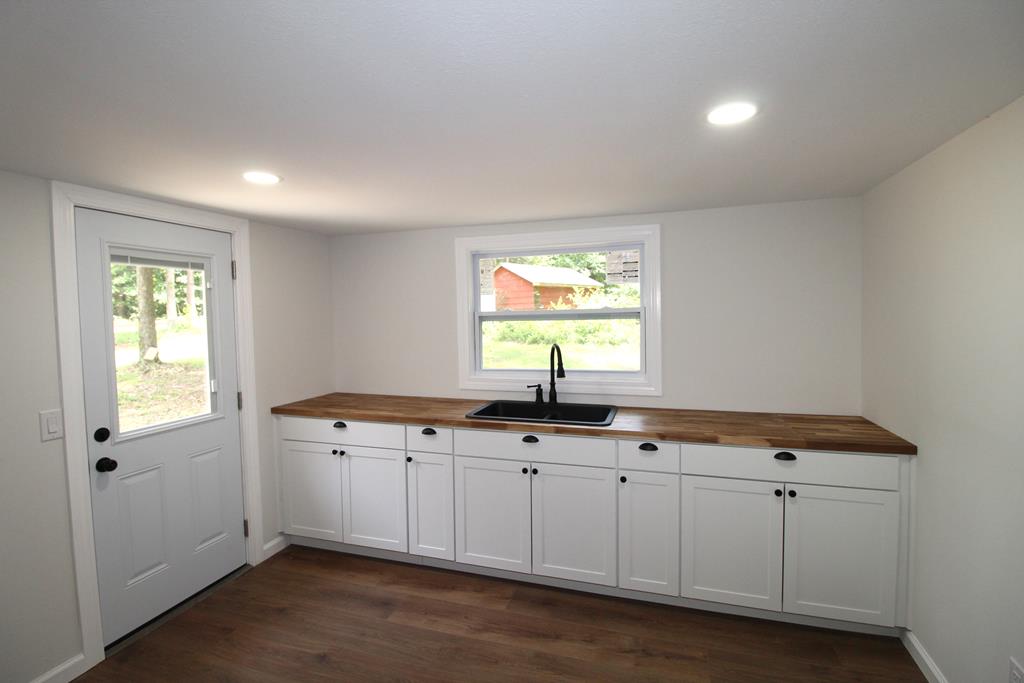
(492, 513)
(311, 490)
(574, 526)
(841, 553)
(373, 494)
(732, 541)
(649, 532)
(431, 505)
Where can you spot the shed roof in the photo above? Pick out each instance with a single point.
(554, 276)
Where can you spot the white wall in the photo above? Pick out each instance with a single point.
(291, 274)
(761, 308)
(38, 603)
(944, 367)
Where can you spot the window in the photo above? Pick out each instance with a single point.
(595, 293)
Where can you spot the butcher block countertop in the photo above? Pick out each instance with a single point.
(769, 430)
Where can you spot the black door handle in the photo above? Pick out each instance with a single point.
(340, 425)
(622, 479)
(428, 431)
(778, 492)
(785, 455)
(648, 447)
(106, 465)
(101, 434)
(408, 458)
(792, 493)
(530, 438)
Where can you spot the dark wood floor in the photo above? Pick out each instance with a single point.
(316, 615)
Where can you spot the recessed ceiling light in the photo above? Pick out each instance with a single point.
(731, 113)
(261, 177)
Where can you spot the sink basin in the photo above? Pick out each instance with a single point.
(560, 413)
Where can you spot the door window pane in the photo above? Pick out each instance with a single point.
(161, 343)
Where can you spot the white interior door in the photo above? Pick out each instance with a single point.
(841, 553)
(574, 526)
(158, 351)
(732, 541)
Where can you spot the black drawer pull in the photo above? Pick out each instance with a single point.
(534, 470)
(340, 425)
(648, 447)
(408, 458)
(341, 452)
(778, 492)
(792, 493)
(622, 479)
(334, 451)
(526, 470)
(785, 455)
(530, 438)
(428, 431)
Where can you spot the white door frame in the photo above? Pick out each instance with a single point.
(65, 198)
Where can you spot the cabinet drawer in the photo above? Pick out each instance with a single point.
(652, 456)
(563, 450)
(346, 432)
(428, 439)
(853, 470)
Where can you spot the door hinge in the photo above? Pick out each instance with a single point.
(239, 400)
(245, 528)
(234, 270)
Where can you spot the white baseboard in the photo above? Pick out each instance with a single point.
(921, 657)
(274, 546)
(66, 671)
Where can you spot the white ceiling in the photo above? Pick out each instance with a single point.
(385, 114)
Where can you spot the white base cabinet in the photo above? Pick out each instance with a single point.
(649, 532)
(373, 497)
(732, 541)
(841, 553)
(311, 490)
(722, 524)
(574, 523)
(431, 504)
(492, 513)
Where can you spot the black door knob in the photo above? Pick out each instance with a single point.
(785, 455)
(792, 493)
(101, 434)
(622, 479)
(428, 431)
(526, 470)
(534, 470)
(530, 438)
(648, 447)
(340, 425)
(778, 492)
(106, 465)
(408, 458)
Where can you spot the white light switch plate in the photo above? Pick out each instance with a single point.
(51, 425)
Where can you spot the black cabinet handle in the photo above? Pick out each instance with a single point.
(526, 470)
(534, 470)
(778, 492)
(334, 452)
(622, 479)
(408, 458)
(648, 447)
(530, 438)
(340, 425)
(101, 434)
(341, 452)
(428, 431)
(106, 465)
(785, 455)
(792, 493)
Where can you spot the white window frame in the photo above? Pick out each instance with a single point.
(646, 382)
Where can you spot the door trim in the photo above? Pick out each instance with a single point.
(65, 198)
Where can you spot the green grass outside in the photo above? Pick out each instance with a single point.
(515, 355)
